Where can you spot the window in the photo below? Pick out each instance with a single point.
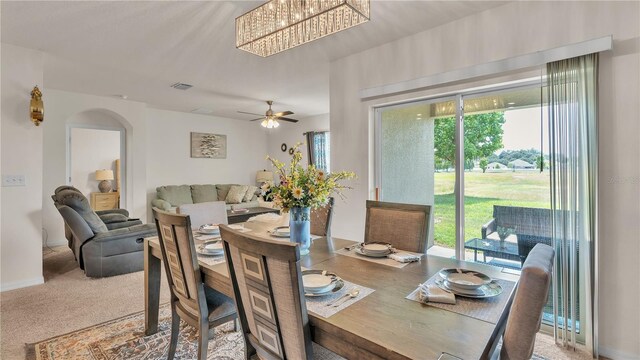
(319, 154)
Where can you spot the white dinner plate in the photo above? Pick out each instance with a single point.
(485, 291)
(465, 279)
(359, 251)
(314, 278)
(375, 248)
(281, 231)
(209, 229)
(212, 248)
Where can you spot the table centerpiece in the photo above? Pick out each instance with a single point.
(302, 189)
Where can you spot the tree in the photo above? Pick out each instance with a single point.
(482, 136)
(540, 163)
(483, 164)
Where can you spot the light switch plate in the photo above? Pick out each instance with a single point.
(13, 180)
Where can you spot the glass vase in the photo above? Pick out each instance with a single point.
(300, 228)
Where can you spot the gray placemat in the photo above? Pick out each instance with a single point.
(318, 305)
(488, 310)
(382, 261)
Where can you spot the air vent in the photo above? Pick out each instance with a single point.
(181, 86)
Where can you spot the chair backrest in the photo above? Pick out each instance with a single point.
(181, 263)
(269, 295)
(321, 219)
(405, 226)
(526, 311)
(78, 202)
(524, 220)
(214, 212)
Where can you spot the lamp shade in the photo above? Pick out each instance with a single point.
(104, 174)
(264, 176)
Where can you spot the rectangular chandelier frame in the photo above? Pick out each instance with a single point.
(280, 25)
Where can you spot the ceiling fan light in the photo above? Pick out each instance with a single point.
(270, 124)
(264, 123)
(276, 123)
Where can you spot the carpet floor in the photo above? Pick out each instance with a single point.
(69, 301)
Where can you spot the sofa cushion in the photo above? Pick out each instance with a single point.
(236, 194)
(176, 195)
(204, 193)
(223, 190)
(251, 192)
(80, 204)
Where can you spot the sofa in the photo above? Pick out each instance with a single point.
(169, 197)
(104, 243)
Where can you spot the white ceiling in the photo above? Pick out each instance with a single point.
(140, 48)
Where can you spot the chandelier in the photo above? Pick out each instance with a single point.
(280, 25)
(270, 122)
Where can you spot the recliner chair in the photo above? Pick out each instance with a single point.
(104, 243)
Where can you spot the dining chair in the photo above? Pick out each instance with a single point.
(404, 226)
(525, 316)
(269, 295)
(321, 219)
(214, 212)
(198, 305)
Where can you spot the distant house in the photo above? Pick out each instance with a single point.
(496, 166)
(521, 164)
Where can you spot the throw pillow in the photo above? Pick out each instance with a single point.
(236, 194)
(204, 193)
(176, 195)
(223, 190)
(251, 192)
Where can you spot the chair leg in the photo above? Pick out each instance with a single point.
(203, 341)
(175, 332)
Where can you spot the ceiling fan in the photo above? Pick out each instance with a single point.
(270, 119)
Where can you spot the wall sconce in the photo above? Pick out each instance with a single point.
(36, 109)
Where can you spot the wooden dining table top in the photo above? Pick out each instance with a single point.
(384, 324)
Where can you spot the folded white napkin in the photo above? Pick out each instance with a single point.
(404, 257)
(433, 293)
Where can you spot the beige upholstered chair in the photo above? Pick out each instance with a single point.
(191, 301)
(405, 226)
(526, 311)
(269, 295)
(214, 212)
(321, 219)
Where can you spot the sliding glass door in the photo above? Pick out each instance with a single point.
(479, 160)
(409, 170)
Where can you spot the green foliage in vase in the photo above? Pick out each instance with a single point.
(305, 187)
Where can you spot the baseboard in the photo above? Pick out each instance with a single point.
(617, 354)
(21, 284)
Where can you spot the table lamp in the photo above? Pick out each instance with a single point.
(264, 176)
(105, 176)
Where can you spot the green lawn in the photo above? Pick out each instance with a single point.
(482, 191)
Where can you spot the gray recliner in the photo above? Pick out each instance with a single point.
(104, 243)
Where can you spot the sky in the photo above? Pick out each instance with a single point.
(522, 129)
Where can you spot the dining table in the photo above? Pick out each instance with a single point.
(384, 324)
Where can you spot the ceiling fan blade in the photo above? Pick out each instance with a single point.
(244, 112)
(284, 113)
(260, 118)
(287, 119)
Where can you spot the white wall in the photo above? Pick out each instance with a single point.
(168, 151)
(91, 150)
(514, 29)
(292, 133)
(65, 108)
(21, 223)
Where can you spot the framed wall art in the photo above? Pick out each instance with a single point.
(212, 146)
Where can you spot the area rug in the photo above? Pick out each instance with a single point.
(124, 338)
